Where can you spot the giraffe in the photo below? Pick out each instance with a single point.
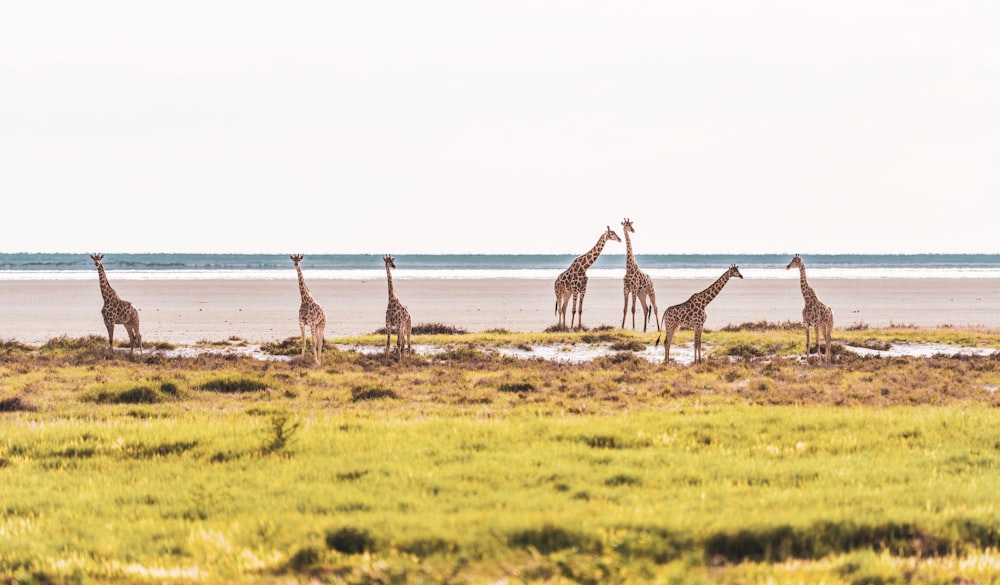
(691, 314)
(396, 315)
(573, 282)
(815, 314)
(310, 315)
(637, 283)
(116, 310)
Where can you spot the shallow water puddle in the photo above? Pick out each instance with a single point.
(581, 352)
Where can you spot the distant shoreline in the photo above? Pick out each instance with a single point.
(189, 311)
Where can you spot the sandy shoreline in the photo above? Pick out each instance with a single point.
(185, 312)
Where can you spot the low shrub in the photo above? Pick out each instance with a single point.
(549, 539)
(234, 385)
(350, 540)
(142, 394)
(359, 393)
(516, 387)
(16, 404)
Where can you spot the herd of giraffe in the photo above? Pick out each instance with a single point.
(570, 285)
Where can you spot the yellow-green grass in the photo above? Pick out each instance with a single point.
(476, 468)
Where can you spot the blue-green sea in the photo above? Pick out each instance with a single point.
(163, 266)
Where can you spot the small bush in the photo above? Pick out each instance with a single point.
(144, 394)
(763, 326)
(134, 395)
(303, 559)
(628, 345)
(437, 329)
(16, 404)
(350, 540)
(745, 351)
(622, 479)
(426, 547)
(138, 395)
(230, 385)
(548, 539)
(359, 393)
(282, 431)
(516, 387)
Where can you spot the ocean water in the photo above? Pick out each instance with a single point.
(72, 266)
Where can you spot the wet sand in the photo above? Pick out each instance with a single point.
(186, 312)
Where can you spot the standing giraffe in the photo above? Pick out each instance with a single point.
(691, 314)
(815, 313)
(638, 284)
(310, 315)
(573, 282)
(116, 310)
(396, 315)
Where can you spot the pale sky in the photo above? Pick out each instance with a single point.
(500, 127)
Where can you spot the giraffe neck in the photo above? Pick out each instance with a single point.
(584, 262)
(107, 292)
(388, 276)
(706, 296)
(630, 262)
(303, 289)
(807, 290)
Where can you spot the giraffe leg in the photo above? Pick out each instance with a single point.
(318, 336)
(110, 324)
(828, 334)
(302, 329)
(579, 317)
(572, 312)
(635, 298)
(138, 334)
(644, 299)
(669, 328)
(132, 331)
(697, 345)
(655, 311)
(388, 336)
(807, 340)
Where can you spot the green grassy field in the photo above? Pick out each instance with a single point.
(469, 467)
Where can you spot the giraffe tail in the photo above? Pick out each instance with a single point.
(657, 344)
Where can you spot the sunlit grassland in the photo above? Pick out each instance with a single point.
(475, 467)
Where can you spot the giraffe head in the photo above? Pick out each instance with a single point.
(97, 258)
(734, 270)
(611, 235)
(390, 262)
(627, 226)
(795, 263)
(296, 258)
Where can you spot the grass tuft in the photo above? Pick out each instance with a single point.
(549, 539)
(361, 393)
(516, 387)
(350, 540)
(234, 385)
(16, 404)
